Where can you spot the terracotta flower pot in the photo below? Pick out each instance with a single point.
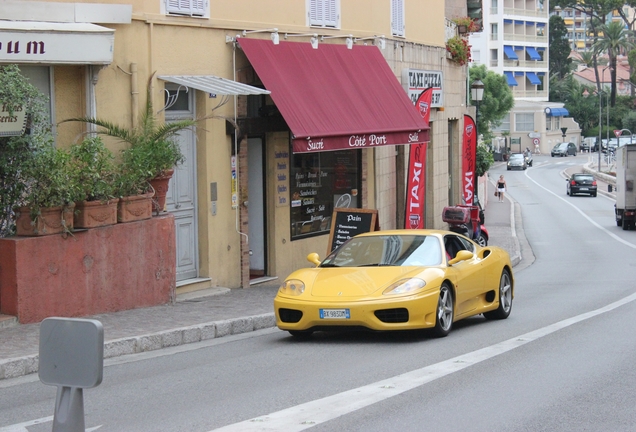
(93, 214)
(160, 185)
(135, 208)
(52, 220)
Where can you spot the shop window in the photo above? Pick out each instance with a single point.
(324, 13)
(397, 18)
(320, 182)
(187, 7)
(524, 122)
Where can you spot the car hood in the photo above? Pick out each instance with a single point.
(359, 282)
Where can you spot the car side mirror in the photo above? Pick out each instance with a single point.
(313, 258)
(462, 255)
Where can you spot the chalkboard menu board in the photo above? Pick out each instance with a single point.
(349, 222)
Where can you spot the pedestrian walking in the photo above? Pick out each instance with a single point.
(501, 188)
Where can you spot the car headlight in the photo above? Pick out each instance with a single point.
(405, 286)
(292, 287)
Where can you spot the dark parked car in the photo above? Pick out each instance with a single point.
(517, 161)
(564, 149)
(581, 183)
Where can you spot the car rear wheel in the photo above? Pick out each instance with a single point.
(505, 298)
(445, 311)
(482, 240)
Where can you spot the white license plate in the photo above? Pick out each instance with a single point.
(583, 189)
(335, 314)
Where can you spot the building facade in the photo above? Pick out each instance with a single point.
(250, 202)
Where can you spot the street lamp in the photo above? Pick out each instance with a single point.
(477, 95)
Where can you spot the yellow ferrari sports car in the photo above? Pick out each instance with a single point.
(397, 280)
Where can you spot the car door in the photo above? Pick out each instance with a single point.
(466, 275)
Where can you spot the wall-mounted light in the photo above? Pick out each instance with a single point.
(377, 40)
(348, 39)
(313, 40)
(274, 34)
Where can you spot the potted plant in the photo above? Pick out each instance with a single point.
(51, 190)
(466, 25)
(94, 166)
(459, 50)
(155, 147)
(132, 186)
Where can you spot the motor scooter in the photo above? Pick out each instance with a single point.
(466, 220)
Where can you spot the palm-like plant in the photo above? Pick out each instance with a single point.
(614, 39)
(152, 142)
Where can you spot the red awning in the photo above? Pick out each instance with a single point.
(334, 98)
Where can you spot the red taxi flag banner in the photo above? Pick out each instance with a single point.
(469, 164)
(416, 180)
(334, 98)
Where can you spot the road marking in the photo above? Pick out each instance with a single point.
(608, 232)
(304, 416)
(22, 427)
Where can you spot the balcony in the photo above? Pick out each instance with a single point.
(526, 12)
(526, 63)
(530, 93)
(525, 38)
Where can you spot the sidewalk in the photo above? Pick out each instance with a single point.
(220, 312)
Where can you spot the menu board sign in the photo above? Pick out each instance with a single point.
(349, 222)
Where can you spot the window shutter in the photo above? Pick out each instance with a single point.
(316, 12)
(331, 13)
(397, 17)
(186, 7)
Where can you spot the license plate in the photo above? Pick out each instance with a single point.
(583, 188)
(335, 314)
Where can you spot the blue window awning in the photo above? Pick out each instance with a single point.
(540, 24)
(518, 73)
(534, 79)
(507, 21)
(519, 22)
(557, 112)
(511, 79)
(534, 55)
(510, 53)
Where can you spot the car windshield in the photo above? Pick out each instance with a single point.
(387, 250)
(516, 156)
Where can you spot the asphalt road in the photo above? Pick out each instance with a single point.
(562, 361)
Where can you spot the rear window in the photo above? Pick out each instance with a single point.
(583, 177)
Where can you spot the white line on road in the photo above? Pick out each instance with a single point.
(609, 233)
(309, 414)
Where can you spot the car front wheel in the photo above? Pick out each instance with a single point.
(505, 298)
(482, 240)
(445, 311)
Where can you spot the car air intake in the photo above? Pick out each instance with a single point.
(398, 315)
(289, 315)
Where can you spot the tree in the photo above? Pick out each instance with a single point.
(559, 51)
(614, 40)
(497, 100)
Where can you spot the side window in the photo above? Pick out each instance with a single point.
(397, 18)
(187, 7)
(454, 244)
(324, 13)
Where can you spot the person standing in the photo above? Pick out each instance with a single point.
(501, 187)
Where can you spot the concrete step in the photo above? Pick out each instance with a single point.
(8, 321)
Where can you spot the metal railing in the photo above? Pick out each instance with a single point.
(526, 63)
(524, 38)
(526, 12)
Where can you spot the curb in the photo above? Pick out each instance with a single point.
(20, 366)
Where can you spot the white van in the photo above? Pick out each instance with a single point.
(587, 144)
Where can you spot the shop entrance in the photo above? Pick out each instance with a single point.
(256, 207)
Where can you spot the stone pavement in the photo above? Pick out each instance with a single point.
(211, 313)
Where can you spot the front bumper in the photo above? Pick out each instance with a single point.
(421, 309)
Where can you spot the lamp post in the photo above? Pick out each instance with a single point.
(477, 95)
